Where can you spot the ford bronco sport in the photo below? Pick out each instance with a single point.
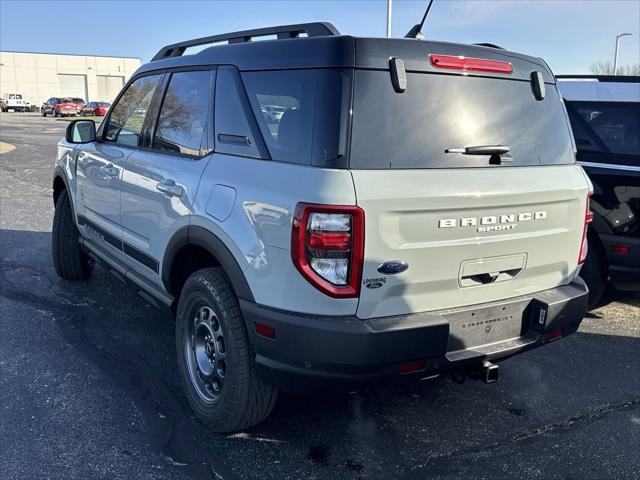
(415, 210)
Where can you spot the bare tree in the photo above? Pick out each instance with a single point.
(606, 68)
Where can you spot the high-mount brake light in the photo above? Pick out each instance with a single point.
(588, 218)
(470, 64)
(327, 247)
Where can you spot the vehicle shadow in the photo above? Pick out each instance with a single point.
(392, 432)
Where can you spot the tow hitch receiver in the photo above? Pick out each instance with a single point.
(486, 371)
(490, 372)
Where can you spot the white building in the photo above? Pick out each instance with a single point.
(40, 76)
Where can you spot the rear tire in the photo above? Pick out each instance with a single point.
(594, 271)
(69, 261)
(215, 359)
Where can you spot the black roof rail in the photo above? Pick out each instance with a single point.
(317, 29)
(490, 45)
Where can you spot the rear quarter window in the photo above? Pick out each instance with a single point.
(301, 113)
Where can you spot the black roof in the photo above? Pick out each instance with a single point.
(603, 78)
(324, 47)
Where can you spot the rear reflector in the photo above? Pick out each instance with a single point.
(588, 218)
(413, 367)
(621, 249)
(265, 330)
(470, 64)
(330, 240)
(555, 334)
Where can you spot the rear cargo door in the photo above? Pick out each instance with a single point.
(471, 228)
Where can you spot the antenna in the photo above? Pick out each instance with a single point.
(416, 31)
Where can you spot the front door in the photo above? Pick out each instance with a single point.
(100, 164)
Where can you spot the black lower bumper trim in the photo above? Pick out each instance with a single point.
(311, 352)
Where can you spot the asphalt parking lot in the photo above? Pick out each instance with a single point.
(89, 386)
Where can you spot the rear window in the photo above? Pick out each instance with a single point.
(439, 112)
(606, 127)
(301, 113)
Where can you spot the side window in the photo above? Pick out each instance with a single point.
(183, 115)
(285, 103)
(302, 114)
(607, 127)
(236, 130)
(128, 115)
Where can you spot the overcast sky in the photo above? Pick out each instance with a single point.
(569, 34)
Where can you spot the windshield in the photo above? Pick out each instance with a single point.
(440, 112)
(12, 96)
(609, 127)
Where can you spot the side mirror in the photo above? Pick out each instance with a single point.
(81, 131)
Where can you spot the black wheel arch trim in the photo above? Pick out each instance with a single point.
(58, 172)
(201, 237)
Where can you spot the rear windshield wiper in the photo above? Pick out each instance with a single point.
(481, 150)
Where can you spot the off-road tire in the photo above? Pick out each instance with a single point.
(246, 398)
(594, 271)
(69, 261)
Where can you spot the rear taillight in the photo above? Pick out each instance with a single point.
(327, 246)
(588, 218)
(470, 64)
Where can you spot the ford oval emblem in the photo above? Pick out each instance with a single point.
(393, 267)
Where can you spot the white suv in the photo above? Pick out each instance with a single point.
(415, 210)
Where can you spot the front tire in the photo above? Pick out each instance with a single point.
(69, 261)
(215, 358)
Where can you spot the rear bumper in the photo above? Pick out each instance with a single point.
(311, 352)
(624, 270)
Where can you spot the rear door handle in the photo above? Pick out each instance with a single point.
(109, 169)
(170, 188)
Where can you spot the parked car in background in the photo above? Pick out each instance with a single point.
(79, 102)
(605, 117)
(15, 102)
(57, 106)
(98, 109)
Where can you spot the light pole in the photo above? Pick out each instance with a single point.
(615, 57)
(388, 18)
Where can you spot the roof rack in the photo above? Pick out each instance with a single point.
(317, 29)
(489, 45)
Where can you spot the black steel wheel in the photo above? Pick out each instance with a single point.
(215, 358)
(206, 354)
